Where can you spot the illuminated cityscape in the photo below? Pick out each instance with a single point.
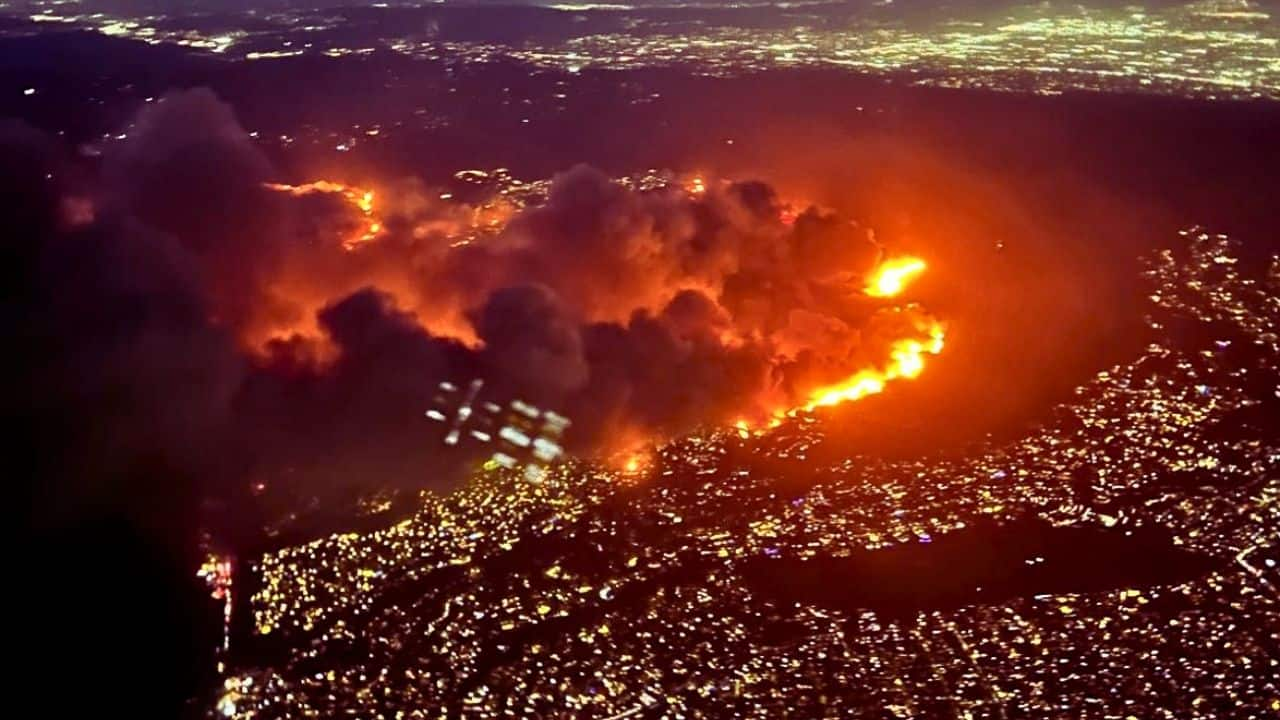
(596, 592)
(1210, 48)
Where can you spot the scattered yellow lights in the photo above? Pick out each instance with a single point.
(1017, 643)
(764, 528)
(272, 54)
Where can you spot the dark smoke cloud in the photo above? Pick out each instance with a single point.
(338, 425)
(531, 340)
(189, 170)
(200, 321)
(663, 371)
(188, 336)
(118, 405)
(124, 363)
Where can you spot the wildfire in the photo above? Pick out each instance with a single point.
(892, 276)
(906, 360)
(631, 465)
(362, 200)
(906, 356)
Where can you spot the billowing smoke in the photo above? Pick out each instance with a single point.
(191, 331)
(200, 318)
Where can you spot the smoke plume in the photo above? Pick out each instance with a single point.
(198, 316)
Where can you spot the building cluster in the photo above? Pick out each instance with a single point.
(1134, 576)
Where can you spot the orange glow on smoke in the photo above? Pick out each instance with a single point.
(359, 197)
(303, 293)
(892, 276)
(307, 294)
(312, 280)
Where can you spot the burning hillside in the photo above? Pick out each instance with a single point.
(318, 317)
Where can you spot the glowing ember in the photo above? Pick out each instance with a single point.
(893, 275)
(362, 199)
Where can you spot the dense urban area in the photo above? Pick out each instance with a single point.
(1210, 49)
(1118, 562)
(648, 358)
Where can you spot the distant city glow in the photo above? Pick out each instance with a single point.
(1211, 48)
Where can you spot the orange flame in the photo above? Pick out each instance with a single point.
(906, 360)
(906, 356)
(362, 199)
(632, 464)
(892, 276)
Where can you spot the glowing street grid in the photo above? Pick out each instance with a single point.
(1209, 49)
(600, 593)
